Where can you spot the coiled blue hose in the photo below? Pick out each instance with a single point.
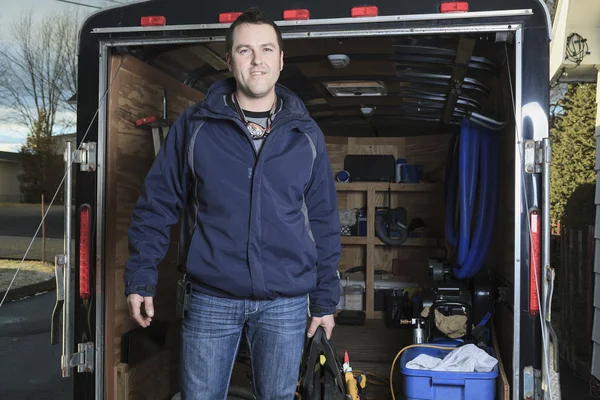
(477, 176)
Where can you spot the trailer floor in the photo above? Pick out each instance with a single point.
(29, 365)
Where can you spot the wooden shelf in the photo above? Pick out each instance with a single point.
(416, 242)
(372, 244)
(383, 187)
(363, 240)
(353, 240)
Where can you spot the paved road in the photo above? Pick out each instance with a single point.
(23, 221)
(29, 365)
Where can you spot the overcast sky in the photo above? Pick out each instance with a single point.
(13, 135)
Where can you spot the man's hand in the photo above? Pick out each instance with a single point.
(135, 309)
(327, 322)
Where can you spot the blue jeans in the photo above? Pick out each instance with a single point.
(275, 332)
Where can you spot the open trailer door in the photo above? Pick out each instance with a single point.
(123, 80)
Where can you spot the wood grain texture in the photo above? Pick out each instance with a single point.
(148, 380)
(424, 201)
(502, 382)
(137, 92)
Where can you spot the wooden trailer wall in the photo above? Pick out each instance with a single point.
(136, 91)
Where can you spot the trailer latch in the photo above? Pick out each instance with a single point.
(84, 358)
(86, 156)
(534, 156)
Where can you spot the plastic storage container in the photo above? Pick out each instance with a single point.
(437, 385)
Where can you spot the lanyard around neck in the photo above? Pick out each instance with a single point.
(256, 131)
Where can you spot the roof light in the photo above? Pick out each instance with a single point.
(156, 20)
(366, 11)
(356, 88)
(296, 14)
(454, 7)
(225, 18)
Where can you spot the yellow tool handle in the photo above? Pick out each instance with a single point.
(351, 386)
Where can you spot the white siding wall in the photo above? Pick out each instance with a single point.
(9, 184)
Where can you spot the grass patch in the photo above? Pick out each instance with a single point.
(38, 205)
(31, 272)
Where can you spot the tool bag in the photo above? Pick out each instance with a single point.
(321, 372)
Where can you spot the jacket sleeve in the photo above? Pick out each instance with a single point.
(157, 209)
(321, 202)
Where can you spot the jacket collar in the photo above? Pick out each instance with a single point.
(213, 103)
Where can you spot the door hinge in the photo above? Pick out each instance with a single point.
(532, 384)
(534, 156)
(83, 359)
(86, 156)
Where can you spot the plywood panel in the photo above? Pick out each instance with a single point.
(337, 149)
(386, 146)
(352, 256)
(429, 151)
(137, 92)
(145, 380)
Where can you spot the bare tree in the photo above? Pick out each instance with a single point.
(39, 75)
(39, 69)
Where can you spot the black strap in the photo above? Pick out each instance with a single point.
(312, 371)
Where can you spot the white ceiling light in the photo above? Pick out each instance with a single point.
(339, 60)
(355, 88)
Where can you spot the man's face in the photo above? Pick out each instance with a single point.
(256, 59)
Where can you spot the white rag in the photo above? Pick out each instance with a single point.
(468, 358)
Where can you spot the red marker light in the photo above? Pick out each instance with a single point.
(156, 20)
(296, 14)
(454, 7)
(535, 261)
(230, 17)
(367, 11)
(85, 219)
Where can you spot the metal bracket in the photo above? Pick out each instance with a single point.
(462, 59)
(83, 359)
(534, 157)
(86, 156)
(59, 264)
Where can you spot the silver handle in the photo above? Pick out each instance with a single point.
(546, 301)
(68, 317)
(59, 268)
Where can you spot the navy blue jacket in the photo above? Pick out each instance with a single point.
(261, 226)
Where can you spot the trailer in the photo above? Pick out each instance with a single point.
(393, 85)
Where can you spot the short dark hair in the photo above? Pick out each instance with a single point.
(252, 15)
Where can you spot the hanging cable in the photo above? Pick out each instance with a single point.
(59, 187)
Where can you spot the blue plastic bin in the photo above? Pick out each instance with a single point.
(435, 385)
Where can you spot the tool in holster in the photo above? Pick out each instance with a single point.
(184, 297)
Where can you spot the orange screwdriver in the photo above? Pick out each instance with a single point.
(351, 385)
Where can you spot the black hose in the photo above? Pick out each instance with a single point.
(381, 231)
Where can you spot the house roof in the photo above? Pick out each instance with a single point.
(9, 157)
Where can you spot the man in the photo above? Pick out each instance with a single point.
(252, 167)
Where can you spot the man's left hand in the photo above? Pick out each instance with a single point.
(327, 322)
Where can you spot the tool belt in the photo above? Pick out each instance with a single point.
(321, 371)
